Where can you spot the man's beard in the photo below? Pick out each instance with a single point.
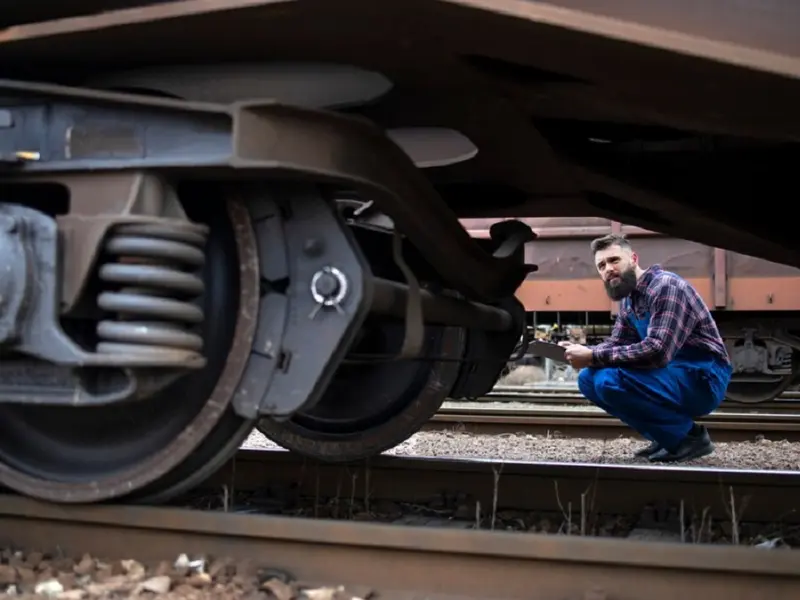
(617, 289)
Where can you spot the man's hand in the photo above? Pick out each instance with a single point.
(578, 356)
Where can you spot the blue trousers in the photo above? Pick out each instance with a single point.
(660, 404)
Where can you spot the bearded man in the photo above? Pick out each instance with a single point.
(665, 363)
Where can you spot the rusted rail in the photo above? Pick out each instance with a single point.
(568, 398)
(397, 561)
(571, 386)
(569, 394)
(725, 425)
(438, 562)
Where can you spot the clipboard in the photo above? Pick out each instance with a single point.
(548, 350)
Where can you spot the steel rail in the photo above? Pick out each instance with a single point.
(567, 398)
(396, 561)
(725, 426)
(547, 393)
(573, 387)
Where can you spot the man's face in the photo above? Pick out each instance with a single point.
(616, 268)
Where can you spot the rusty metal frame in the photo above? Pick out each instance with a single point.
(264, 138)
(590, 231)
(640, 26)
(630, 29)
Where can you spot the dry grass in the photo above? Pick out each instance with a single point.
(578, 516)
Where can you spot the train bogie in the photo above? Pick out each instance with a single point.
(254, 222)
(159, 313)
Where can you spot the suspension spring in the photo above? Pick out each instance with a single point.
(155, 286)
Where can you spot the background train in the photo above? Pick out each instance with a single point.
(754, 301)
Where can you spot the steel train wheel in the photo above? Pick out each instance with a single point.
(370, 408)
(756, 393)
(153, 448)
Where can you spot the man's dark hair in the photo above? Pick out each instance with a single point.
(612, 239)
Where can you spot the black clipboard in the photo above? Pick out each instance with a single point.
(548, 350)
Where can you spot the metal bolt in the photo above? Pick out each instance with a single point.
(327, 285)
(328, 288)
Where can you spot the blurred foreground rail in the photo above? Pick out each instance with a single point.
(392, 561)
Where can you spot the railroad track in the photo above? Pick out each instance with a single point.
(569, 395)
(547, 409)
(439, 561)
(572, 387)
(725, 425)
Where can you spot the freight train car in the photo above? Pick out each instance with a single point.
(754, 302)
(221, 215)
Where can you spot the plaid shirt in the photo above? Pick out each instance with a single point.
(678, 318)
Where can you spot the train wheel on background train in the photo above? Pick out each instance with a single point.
(743, 392)
(766, 366)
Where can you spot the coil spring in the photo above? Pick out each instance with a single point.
(154, 303)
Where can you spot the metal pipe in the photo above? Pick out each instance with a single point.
(391, 298)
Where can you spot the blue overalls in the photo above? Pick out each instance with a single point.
(661, 404)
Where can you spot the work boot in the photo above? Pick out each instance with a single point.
(697, 443)
(647, 451)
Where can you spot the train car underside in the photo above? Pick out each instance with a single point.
(223, 215)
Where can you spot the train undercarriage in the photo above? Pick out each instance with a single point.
(764, 350)
(766, 363)
(214, 236)
(166, 310)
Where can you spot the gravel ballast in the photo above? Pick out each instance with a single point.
(756, 455)
(50, 576)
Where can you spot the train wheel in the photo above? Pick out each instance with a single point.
(743, 392)
(370, 408)
(159, 446)
(764, 388)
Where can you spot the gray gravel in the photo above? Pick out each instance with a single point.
(761, 454)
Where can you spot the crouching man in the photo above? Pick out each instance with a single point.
(665, 363)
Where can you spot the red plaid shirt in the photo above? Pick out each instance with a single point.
(678, 318)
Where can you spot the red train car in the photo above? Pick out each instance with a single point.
(756, 303)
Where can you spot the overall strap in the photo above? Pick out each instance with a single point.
(628, 304)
